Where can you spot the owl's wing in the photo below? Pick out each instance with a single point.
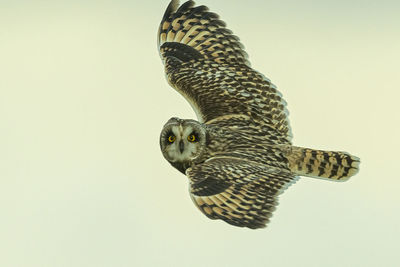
(240, 192)
(207, 64)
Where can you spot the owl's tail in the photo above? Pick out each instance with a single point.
(332, 165)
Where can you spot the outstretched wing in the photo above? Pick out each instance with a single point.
(207, 64)
(240, 192)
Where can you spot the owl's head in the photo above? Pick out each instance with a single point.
(182, 140)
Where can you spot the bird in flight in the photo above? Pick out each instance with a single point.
(238, 156)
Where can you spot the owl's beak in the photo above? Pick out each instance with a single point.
(181, 146)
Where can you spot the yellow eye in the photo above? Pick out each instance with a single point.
(171, 138)
(191, 138)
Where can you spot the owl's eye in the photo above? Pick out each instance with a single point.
(192, 138)
(171, 138)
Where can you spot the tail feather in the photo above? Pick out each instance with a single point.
(332, 165)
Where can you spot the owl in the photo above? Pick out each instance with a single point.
(238, 155)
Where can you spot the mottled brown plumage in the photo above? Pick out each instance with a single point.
(241, 157)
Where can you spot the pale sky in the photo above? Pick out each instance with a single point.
(83, 99)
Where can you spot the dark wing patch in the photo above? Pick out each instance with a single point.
(207, 64)
(245, 192)
(209, 186)
(180, 51)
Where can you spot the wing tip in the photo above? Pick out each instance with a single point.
(172, 7)
(197, 27)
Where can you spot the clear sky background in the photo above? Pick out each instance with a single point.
(83, 99)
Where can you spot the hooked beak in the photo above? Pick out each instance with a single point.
(181, 146)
